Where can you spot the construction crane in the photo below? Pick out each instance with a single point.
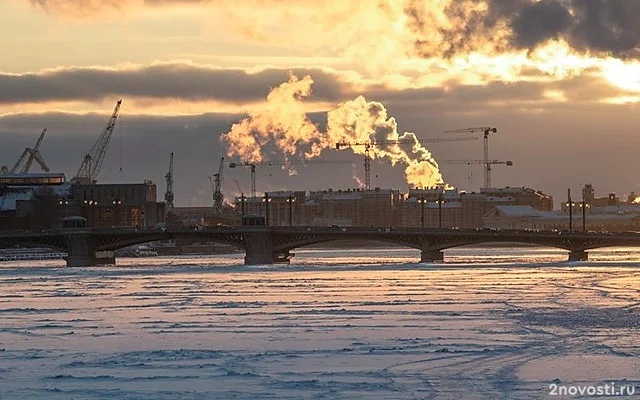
(93, 159)
(168, 194)
(217, 189)
(29, 155)
(486, 163)
(253, 166)
(369, 145)
(485, 131)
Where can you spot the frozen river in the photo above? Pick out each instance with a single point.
(336, 324)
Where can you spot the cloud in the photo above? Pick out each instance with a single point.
(186, 82)
(558, 37)
(602, 27)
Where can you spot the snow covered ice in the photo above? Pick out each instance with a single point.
(336, 324)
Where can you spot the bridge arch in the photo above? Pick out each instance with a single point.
(288, 244)
(116, 242)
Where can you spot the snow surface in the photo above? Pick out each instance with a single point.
(336, 324)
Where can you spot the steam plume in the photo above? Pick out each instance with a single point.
(283, 122)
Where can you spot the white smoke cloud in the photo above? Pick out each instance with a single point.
(283, 123)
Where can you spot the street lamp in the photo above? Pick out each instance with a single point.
(440, 201)
(570, 204)
(266, 201)
(63, 203)
(290, 200)
(116, 214)
(243, 199)
(584, 207)
(91, 204)
(422, 200)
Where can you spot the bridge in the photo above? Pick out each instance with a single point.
(269, 245)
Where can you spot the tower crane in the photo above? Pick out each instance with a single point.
(253, 165)
(369, 145)
(485, 131)
(29, 155)
(486, 163)
(93, 159)
(168, 194)
(217, 189)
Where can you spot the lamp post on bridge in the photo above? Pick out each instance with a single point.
(116, 214)
(63, 203)
(291, 200)
(422, 200)
(92, 205)
(570, 204)
(243, 198)
(584, 207)
(266, 201)
(440, 201)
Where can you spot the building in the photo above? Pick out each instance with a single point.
(612, 219)
(521, 196)
(440, 206)
(117, 204)
(10, 216)
(42, 201)
(30, 201)
(523, 217)
(354, 207)
(590, 201)
(432, 208)
(376, 207)
(476, 205)
(280, 208)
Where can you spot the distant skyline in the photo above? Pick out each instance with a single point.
(560, 79)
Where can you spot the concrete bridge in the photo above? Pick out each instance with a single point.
(268, 245)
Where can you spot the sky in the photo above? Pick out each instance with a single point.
(273, 80)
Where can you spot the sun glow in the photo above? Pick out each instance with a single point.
(625, 75)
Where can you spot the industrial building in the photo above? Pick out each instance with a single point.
(448, 208)
(589, 213)
(102, 205)
(378, 207)
(43, 200)
(114, 205)
(356, 207)
(280, 208)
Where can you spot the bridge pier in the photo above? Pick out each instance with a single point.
(82, 252)
(259, 249)
(98, 258)
(578, 255)
(427, 256)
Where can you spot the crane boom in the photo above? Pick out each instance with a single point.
(168, 194)
(485, 130)
(373, 143)
(40, 139)
(252, 166)
(93, 160)
(486, 163)
(28, 156)
(493, 162)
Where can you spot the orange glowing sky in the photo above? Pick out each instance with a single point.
(555, 76)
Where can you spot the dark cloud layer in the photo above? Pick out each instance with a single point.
(610, 27)
(175, 81)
